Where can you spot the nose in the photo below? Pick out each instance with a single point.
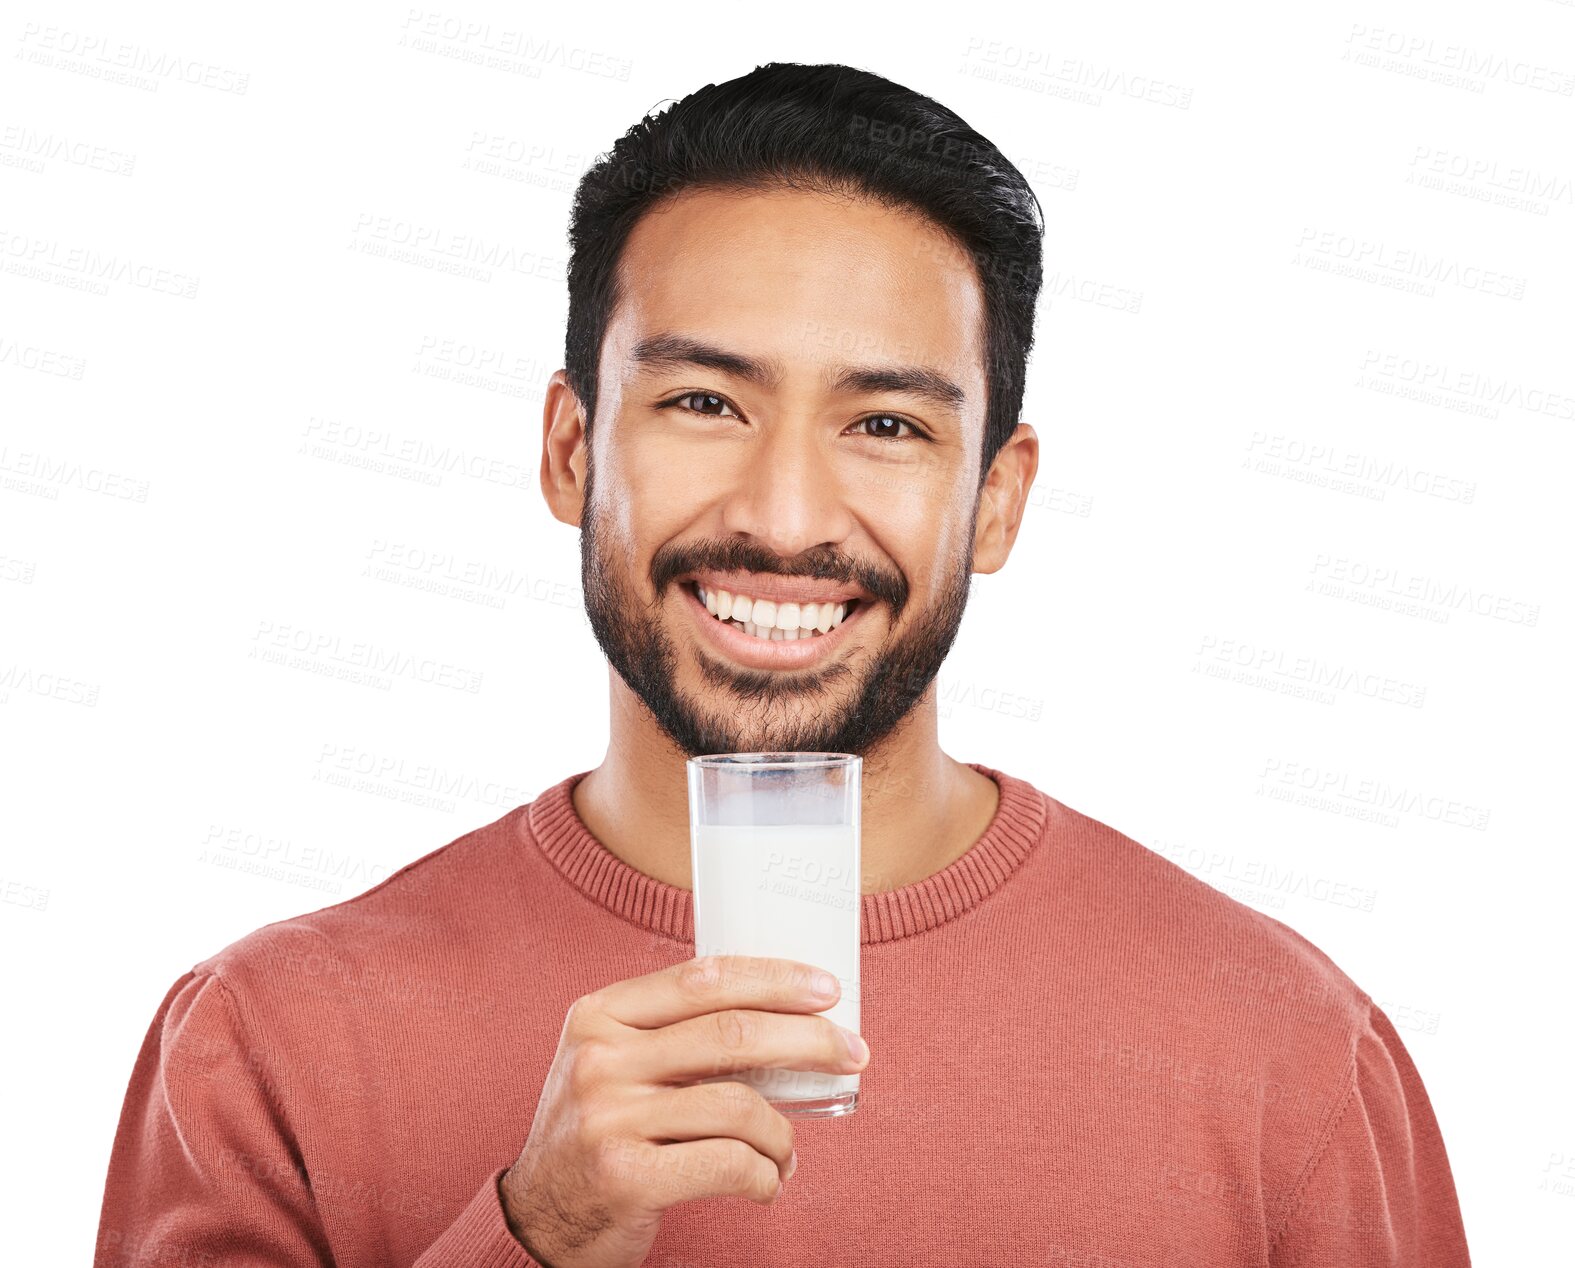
(787, 490)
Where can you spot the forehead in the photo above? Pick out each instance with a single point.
(805, 277)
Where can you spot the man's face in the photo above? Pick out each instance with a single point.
(791, 489)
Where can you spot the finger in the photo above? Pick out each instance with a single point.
(705, 1110)
(712, 982)
(738, 1039)
(714, 1168)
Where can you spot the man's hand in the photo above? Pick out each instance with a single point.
(617, 1139)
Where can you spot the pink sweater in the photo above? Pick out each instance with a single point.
(1082, 1057)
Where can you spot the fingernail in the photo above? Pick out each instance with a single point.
(825, 986)
(792, 1164)
(857, 1048)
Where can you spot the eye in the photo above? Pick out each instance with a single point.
(710, 404)
(711, 401)
(888, 430)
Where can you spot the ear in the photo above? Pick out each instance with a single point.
(1003, 499)
(563, 450)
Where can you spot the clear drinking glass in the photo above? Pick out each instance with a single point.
(774, 841)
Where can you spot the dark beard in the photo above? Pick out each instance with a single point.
(761, 710)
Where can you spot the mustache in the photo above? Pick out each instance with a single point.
(823, 563)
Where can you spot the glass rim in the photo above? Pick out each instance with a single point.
(772, 760)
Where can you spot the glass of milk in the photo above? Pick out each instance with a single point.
(774, 841)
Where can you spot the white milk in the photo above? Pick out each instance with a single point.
(791, 892)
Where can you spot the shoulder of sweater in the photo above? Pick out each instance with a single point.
(442, 898)
(1228, 949)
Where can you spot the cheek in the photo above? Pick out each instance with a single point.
(657, 493)
(919, 527)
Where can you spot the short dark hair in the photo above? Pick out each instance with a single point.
(827, 128)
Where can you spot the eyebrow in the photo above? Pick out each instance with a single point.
(665, 350)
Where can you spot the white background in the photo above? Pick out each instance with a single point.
(1291, 422)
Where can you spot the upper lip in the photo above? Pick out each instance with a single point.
(779, 589)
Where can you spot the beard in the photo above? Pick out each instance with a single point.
(837, 707)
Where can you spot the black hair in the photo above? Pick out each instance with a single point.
(828, 128)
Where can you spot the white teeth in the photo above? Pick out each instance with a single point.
(768, 619)
(773, 633)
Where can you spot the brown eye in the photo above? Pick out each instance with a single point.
(886, 426)
(710, 403)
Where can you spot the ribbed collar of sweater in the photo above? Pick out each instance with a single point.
(592, 868)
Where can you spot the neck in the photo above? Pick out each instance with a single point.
(921, 809)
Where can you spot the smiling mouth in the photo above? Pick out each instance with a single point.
(769, 621)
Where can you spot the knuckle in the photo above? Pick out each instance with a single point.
(736, 1169)
(735, 1029)
(592, 1065)
(699, 977)
(786, 1134)
(581, 1012)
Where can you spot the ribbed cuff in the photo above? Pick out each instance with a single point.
(480, 1237)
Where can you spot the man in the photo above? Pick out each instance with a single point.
(801, 305)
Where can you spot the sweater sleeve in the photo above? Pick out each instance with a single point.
(480, 1237)
(1377, 1192)
(205, 1168)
